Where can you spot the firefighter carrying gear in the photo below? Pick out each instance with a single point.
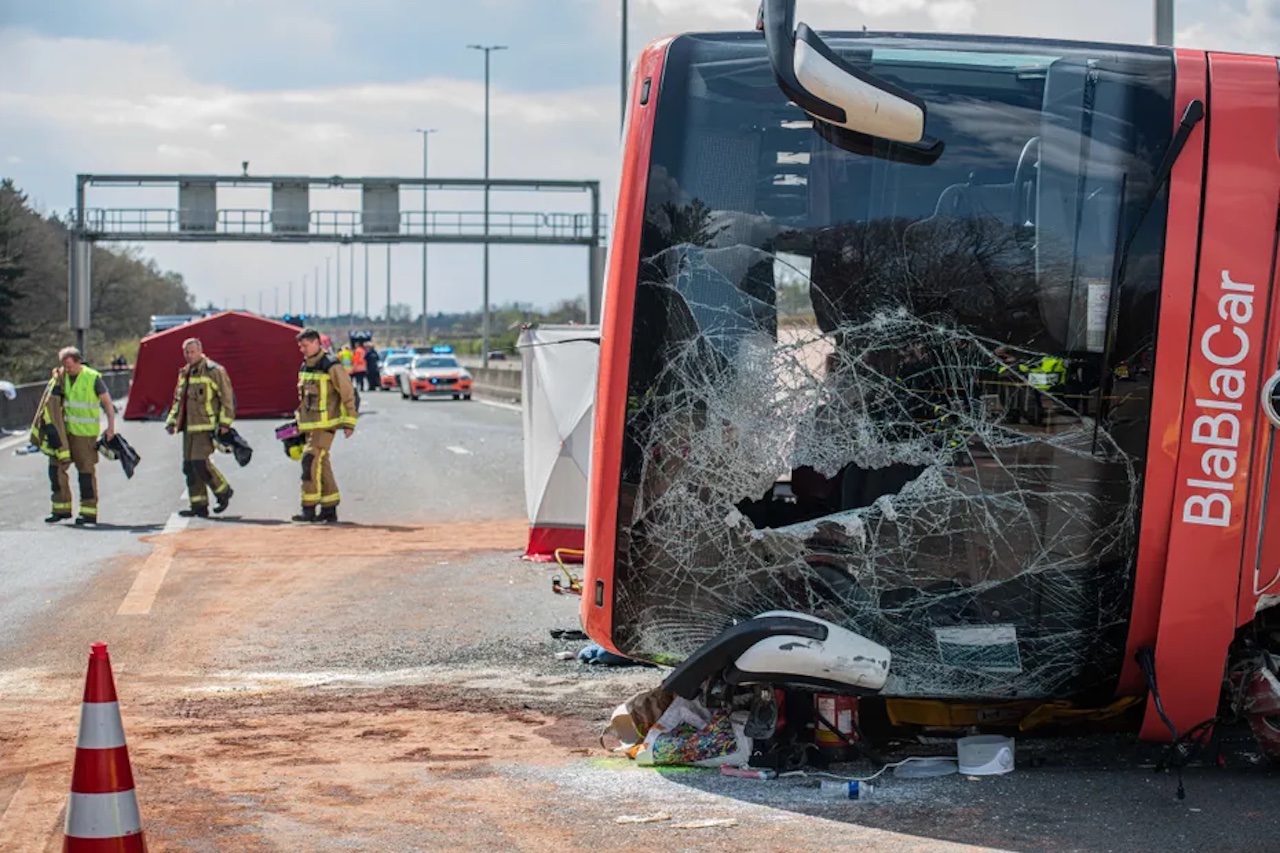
(65, 429)
(118, 450)
(326, 403)
(203, 402)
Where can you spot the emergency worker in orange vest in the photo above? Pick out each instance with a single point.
(358, 366)
(203, 402)
(326, 404)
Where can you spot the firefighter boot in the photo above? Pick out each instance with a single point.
(195, 512)
(328, 515)
(224, 500)
(308, 514)
(56, 517)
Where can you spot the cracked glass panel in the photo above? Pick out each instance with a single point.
(909, 399)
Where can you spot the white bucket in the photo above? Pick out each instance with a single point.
(985, 755)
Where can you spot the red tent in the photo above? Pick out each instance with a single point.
(260, 355)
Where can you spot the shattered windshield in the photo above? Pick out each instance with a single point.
(906, 399)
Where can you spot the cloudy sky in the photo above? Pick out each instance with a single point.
(328, 87)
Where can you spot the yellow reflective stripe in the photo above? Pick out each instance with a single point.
(88, 509)
(331, 499)
(200, 427)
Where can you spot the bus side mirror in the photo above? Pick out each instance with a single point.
(848, 106)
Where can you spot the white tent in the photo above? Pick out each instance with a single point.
(559, 395)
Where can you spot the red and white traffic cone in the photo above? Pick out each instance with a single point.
(102, 813)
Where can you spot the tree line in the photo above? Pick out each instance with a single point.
(127, 289)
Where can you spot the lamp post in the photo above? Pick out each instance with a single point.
(388, 317)
(328, 288)
(351, 281)
(622, 115)
(337, 290)
(316, 288)
(1164, 22)
(426, 132)
(484, 322)
(366, 283)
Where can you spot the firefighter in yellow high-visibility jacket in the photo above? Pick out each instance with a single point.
(326, 404)
(203, 403)
(65, 429)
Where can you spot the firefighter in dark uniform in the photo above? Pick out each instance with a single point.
(326, 404)
(203, 402)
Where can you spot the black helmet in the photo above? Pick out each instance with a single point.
(230, 441)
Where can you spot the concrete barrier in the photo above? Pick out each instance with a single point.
(17, 414)
(499, 383)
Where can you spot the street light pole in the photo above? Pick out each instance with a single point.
(328, 288)
(351, 281)
(426, 132)
(367, 318)
(388, 315)
(304, 293)
(337, 290)
(622, 115)
(1164, 22)
(316, 288)
(484, 322)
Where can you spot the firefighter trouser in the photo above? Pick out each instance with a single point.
(202, 477)
(319, 488)
(84, 455)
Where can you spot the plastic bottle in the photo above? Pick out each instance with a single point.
(846, 790)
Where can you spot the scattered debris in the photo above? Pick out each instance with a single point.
(656, 817)
(709, 823)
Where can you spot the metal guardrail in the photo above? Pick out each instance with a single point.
(151, 223)
(17, 414)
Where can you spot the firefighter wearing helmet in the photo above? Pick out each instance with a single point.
(326, 404)
(203, 407)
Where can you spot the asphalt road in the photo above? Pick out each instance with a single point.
(425, 461)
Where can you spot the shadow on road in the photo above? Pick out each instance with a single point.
(127, 528)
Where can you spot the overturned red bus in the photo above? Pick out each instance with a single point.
(937, 366)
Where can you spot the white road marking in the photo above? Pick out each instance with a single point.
(461, 451)
(495, 404)
(410, 426)
(142, 595)
(34, 807)
(17, 440)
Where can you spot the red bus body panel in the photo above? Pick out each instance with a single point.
(1220, 418)
(1177, 290)
(615, 348)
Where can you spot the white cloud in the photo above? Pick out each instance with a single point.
(137, 112)
(1251, 26)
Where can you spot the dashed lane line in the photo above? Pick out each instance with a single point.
(461, 451)
(495, 404)
(142, 595)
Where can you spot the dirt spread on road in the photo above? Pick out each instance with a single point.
(254, 722)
